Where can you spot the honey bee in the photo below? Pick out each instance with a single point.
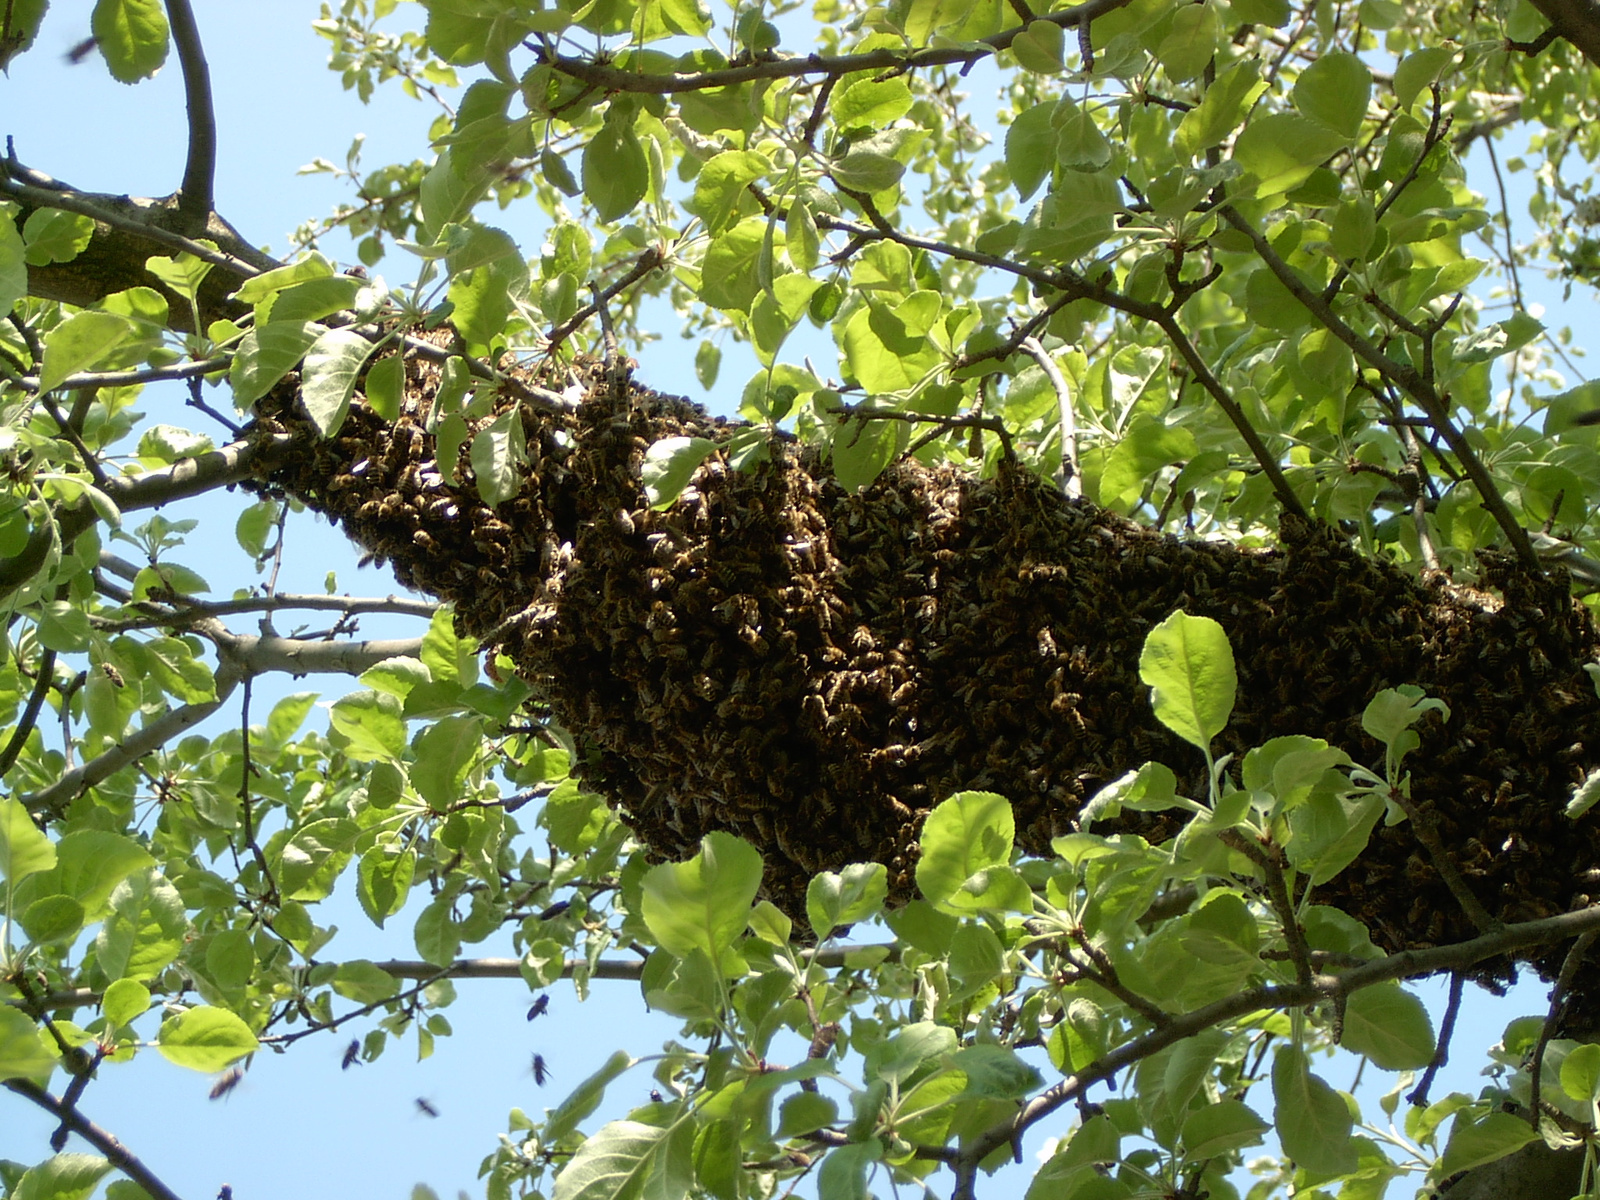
(230, 1080)
(539, 1007)
(541, 1071)
(352, 1055)
(426, 1108)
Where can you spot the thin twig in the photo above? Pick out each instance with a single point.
(1558, 1005)
(271, 890)
(30, 714)
(1418, 1096)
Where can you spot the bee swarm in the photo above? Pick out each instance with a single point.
(814, 670)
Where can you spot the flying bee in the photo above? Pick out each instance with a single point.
(539, 1007)
(352, 1055)
(81, 51)
(230, 1080)
(541, 1071)
(426, 1108)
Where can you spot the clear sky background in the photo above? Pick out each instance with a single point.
(298, 1125)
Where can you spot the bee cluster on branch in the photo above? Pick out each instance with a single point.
(813, 670)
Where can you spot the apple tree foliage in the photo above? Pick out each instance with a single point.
(1199, 263)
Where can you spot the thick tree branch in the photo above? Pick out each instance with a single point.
(1576, 20)
(161, 616)
(195, 196)
(119, 1155)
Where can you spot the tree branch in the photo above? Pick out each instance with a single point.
(1576, 20)
(195, 200)
(119, 1155)
(618, 79)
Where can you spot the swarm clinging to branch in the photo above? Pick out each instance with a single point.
(814, 670)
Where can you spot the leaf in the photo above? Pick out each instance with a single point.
(844, 1171)
(328, 378)
(861, 450)
(585, 1098)
(265, 355)
(1580, 1073)
(23, 1053)
(1584, 795)
(1492, 1137)
(626, 1160)
(1040, 47)
(703, 904)
(383, 878)
(1333, 91)
(124, 1001)
(722, 184)
(385, 386)
(668, 466)
(729, 275)
(23, 848)
(79, 342)
(446, 750)
(53, 235)
(1420, 69)
(145, 929)
(615, 173)
(259, 287)
(205, 1038)
(182, 272)
(1220, 1127)
(866, 171)
(498, 454)
(1188, 666)
(966, 849)
(845, 897)
(132, 35)
(870, 103)
(371, 724)
(1313, 1121)
(1390, 1026)
(62, 1177)
(1280, 150)
(13, 265)
(313, 299)
(363, 982)
(1031, 147)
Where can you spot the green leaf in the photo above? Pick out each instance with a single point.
(172, 664)
(729, 275)
(861, 450)
(1312, 1119)
(259, 287)
(328, 379)
(1041, 47)
(805, 1112)
(703, 904)
(1220, 1127)
(265, 355)
(385, 386)
(124, 1001)
(1333, 91)
(1390, 1026)
(870, 103)
(62, 1177)
(90, 863)
(13, 264)
(1031, 147)
(721, 186)
(53, 235)
(205, 1038)
(1190, 43)
(844, 1171)
(23, 848)
(668, 466)
(1221, 109)
(1580, 1073)
(1080, 146)
(23, 1053)
(52, 919)
(845, 897)
(498, 455)
(446, 750)
(363, 982)
(182, 272)
(383, 878)
(132, 35)
(1280, 150)
(371, 724)
(1188, 666)
(145, 929)
(615, 173)
(79, 342)
(628, 1160)
(966, 849)
(585, 1098)
(1492, 1137)
(866, 171)
(1419, 70)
